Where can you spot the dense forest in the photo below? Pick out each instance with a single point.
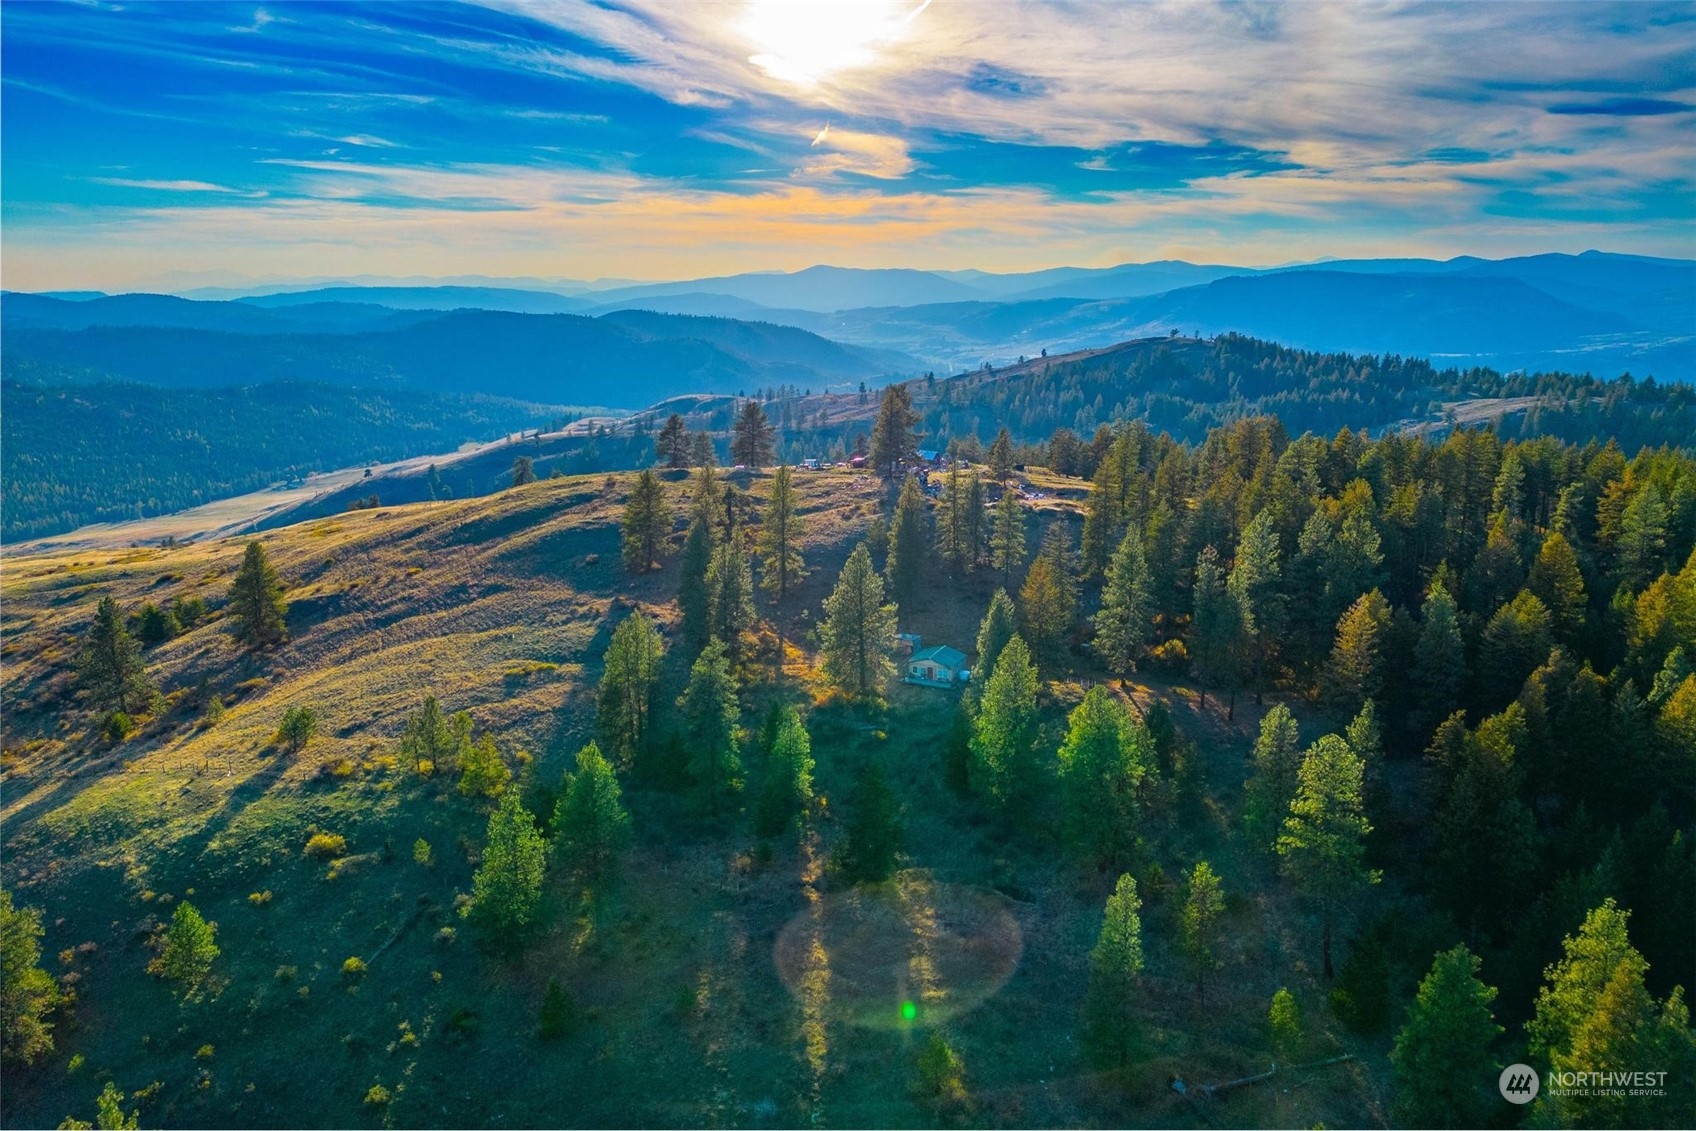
(1458, 834)
(1187, 387)
(108, 452)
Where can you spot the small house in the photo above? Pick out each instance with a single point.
(938, 666)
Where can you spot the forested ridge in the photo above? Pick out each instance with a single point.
(109, 452)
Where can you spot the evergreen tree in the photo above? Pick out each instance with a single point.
(1045, 613)
(506, 889)
(1640, 552)
(694, 597)
(1215, 626)
(298, 727)
(154, 626)
(908, 544)
(1323, 842)
(1110, 1029)
(671, 446)
(591, 827)
(558, 1015)
(1366, 739)
(1105, 520)
(256, 599)
(893, 438)
(1103, 761)
(647, 523)
(701, 452)
(710, 706)
(1442, 1056)
(1362, 997)
(109, 665)
(751, 437)
(1439, 661)
(874, 832)
(1001, 456)
(523, 471)
(1253, 585)
(27, 992)
(1204, 903)
(1004, 737)
(997, 628)
(977, 523)
(1559, 584)
(781, 567)
(1513, 644)
(789, 775)
(1283, 1020)
(730, 588)
(1007, 537)
(1276, 776)
(953, 522)
(858, 632)
(1355, 672)
(431, 740)
(189, 950)
(482, 770)
(1123, 624)
(628, 677)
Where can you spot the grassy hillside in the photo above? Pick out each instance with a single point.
(722, 984)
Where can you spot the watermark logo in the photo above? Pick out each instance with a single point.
(1519, 1083)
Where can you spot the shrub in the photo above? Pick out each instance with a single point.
(285, 974)
(558, 1016)
(422, 853)
(377, 1096)
(325, 845)
(1284, 1020)
(214, 712)
(204, 1053)
(298, 726)
(119, 726)
(259, 898)
(354, 968)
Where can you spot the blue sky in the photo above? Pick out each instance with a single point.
(186, 142)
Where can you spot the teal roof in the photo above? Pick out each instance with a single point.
(941, 654)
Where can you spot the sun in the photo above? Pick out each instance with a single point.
(805, 41)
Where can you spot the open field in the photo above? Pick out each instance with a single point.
(703, 998)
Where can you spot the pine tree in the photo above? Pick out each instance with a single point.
(591, 827)
(1253, 585)
(1122, 626)
(1355, 672)
(1276, 776)
(1439, 661)
(953, 536)
(1215, 625)
(858, 632)
(1443, 1053)
(751, 437)
(1105, 521)
(977, 523)
(109, 665)
(998, 626)
(789, 775)
(1640, 553)
(1514, 643)
(506, 889)
(27, 992)
(1045, 614)
(1559, 584)
(189, 950)
(1110, 1029)
(730, 589)
(647, 523)
(671, 446)
(1103, 761)
(630, 672)
(701, 452)
(909, 544)
(710, 707)
(298, 727)
(874, 834)
(893, 438)
(1283, 1022)
(154, 626)
(431, 742)
(1004, 736)
(694, 598)
(1361, 999)
(523, 471)
(482, 770)
(1007, 537)
(558, 1016)
(781, 567)
(1323, 842)
(1001, 456)
(1204, 903)
(256, 599)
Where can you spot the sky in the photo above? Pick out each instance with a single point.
(182, 143)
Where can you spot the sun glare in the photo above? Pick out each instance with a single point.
(805, 41)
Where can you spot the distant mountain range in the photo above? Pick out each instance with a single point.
(1596, 312)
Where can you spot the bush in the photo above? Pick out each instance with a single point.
(259, 898)
(119, 726)
(377, 1096)
(1284, 1021)
(422, 853)
(354, 968)
(558, 1017)
(326, 845)
(214, 712)
(298, 727)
